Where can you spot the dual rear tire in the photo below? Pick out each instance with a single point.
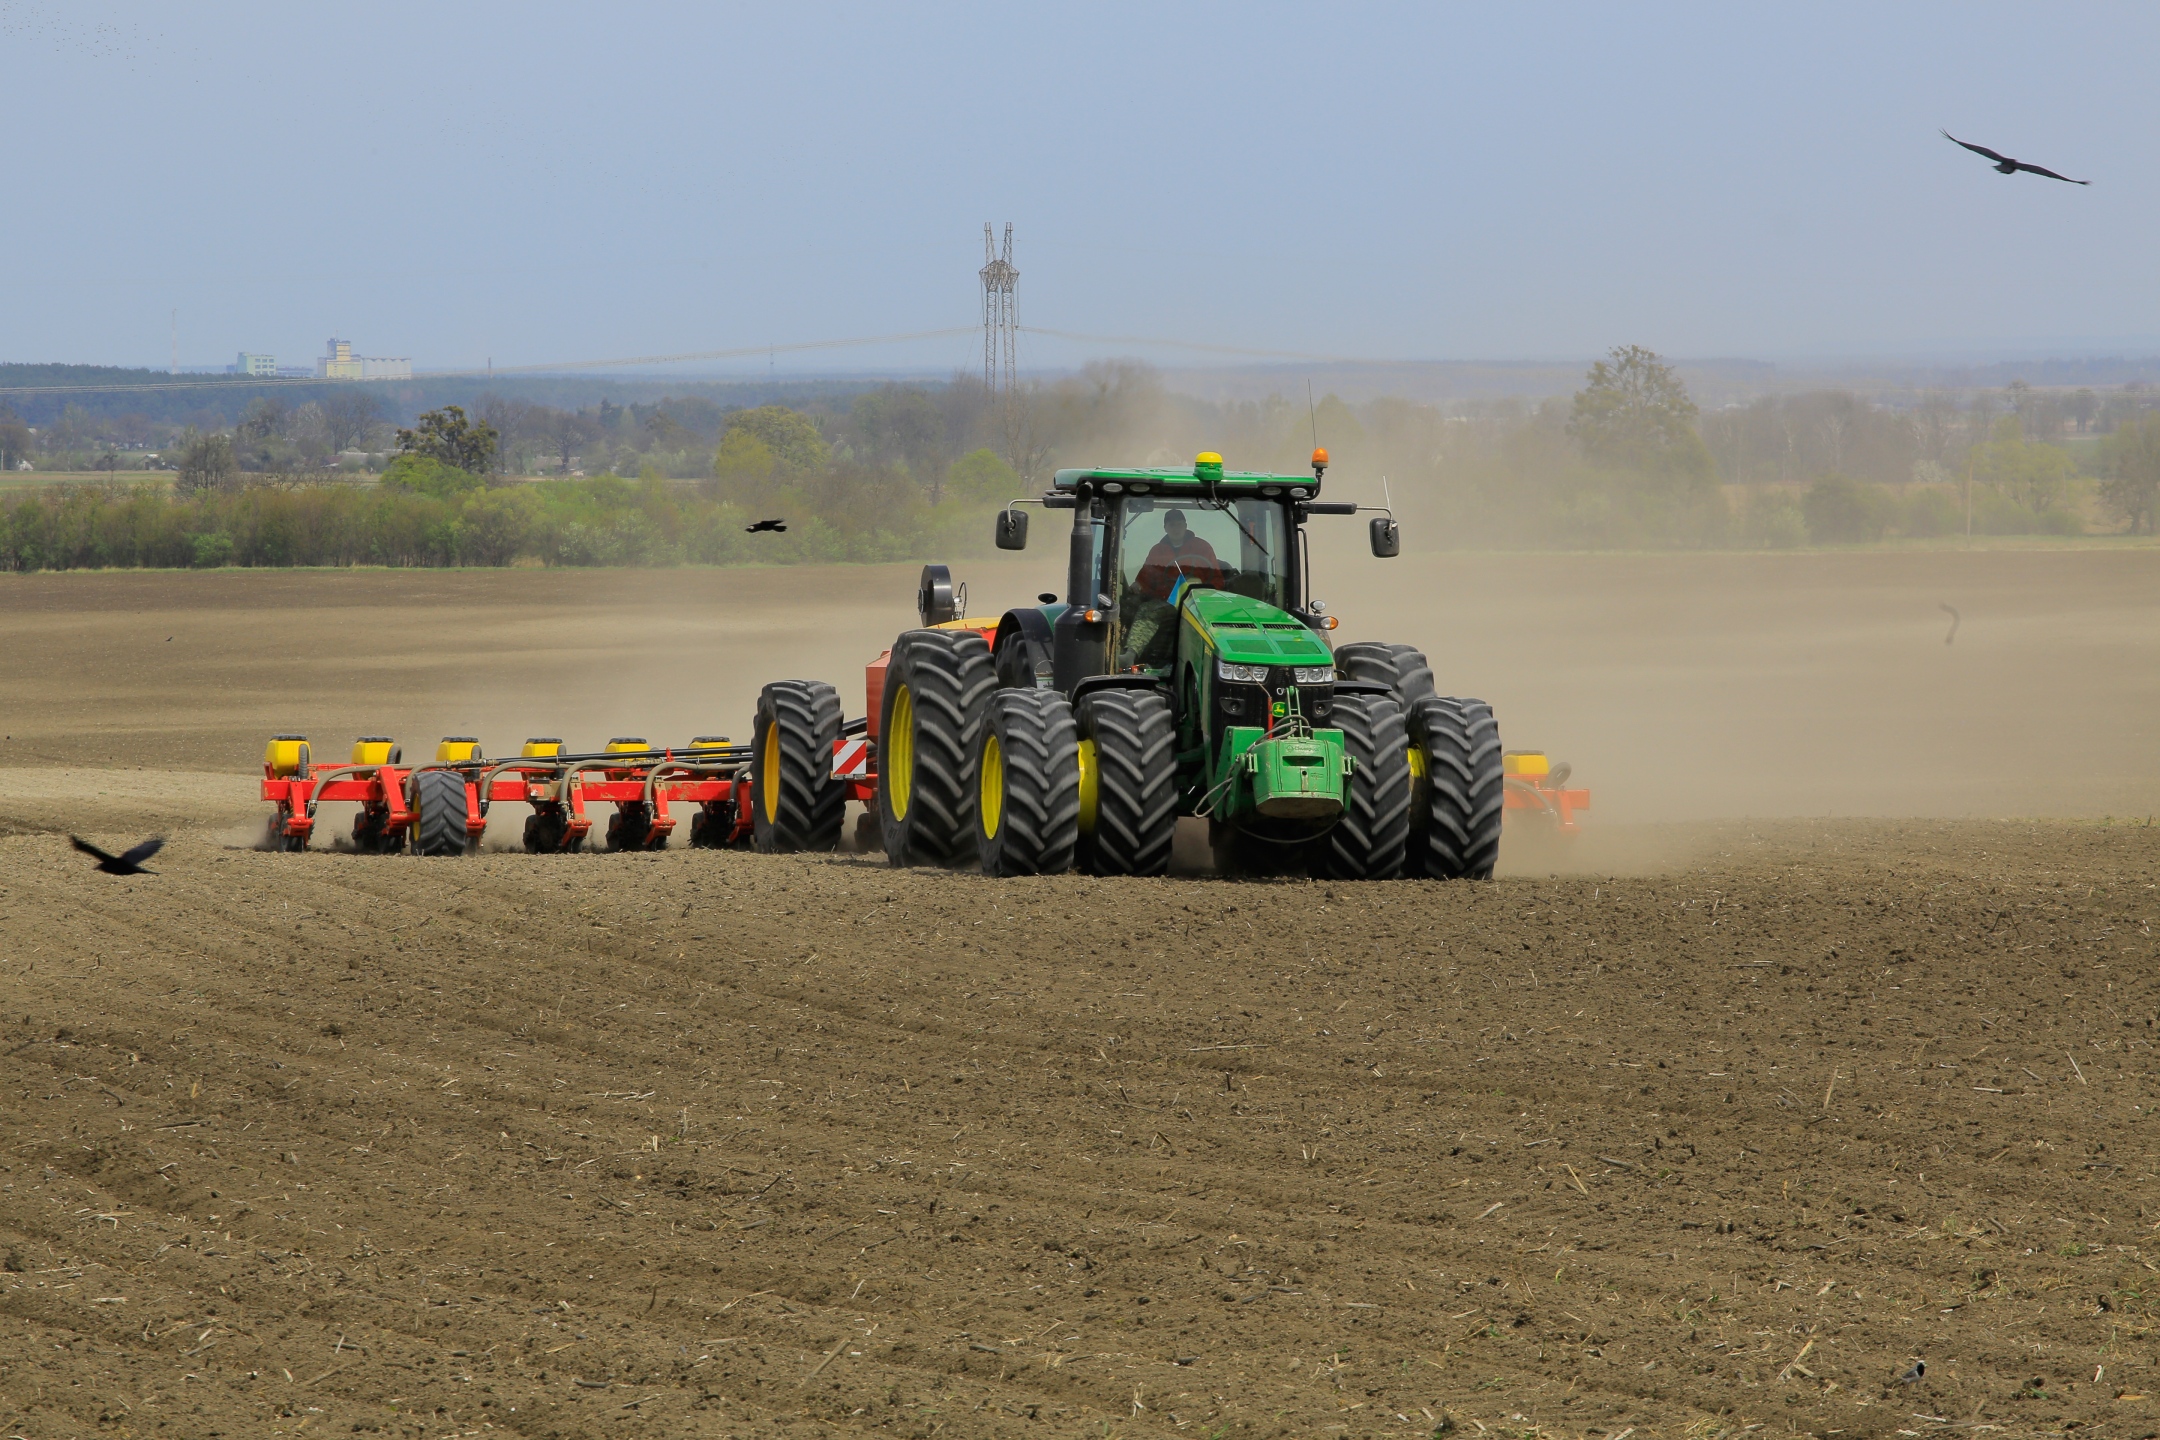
(1014, 780)
(1453, 758)
(938, 685)
(1128, 782)
(796, 804)
(1027, 767)
(1371, 840)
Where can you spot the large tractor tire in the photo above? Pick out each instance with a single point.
(1027, 766)
(937, 685)
(1371, 839)
(439, 803)
(1128, 758)
(797, 804)
(1455, 826)
(1402, 668)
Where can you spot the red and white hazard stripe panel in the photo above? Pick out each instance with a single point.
(851, 760)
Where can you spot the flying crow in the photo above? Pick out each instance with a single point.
(771, 527)
(128, 864)
(2010, 167)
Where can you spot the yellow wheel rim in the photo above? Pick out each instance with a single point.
(898, 743)
(769, 781)
(993, 786)
(1087, 787)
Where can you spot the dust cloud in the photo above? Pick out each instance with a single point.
(1681, 687)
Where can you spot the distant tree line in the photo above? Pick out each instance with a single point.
(905, 472)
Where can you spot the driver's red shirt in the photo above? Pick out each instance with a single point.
(1195, 560)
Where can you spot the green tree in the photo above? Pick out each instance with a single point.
(743, 458)
(450, 436)
(425, 475)
(980, 476)
(2032, 473)
(2132, 486)
(793, 441)
(1635, 414)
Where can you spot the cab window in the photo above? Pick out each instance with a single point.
(1238, 546)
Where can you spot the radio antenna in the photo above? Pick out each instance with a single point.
(1312, 414)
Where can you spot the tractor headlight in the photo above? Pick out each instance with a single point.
(1314, 674)
(1251, 674)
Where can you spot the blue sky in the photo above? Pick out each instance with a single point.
(546, 182)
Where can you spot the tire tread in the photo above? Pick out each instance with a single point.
(1135, 781)
(1039, 823)
(1458, 834)
(811, 802)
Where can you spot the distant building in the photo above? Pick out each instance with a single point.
(253, 364)
(295, 372)
(339, 363)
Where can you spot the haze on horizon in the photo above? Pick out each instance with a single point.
(548, 182)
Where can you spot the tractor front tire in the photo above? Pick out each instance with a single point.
(797, 803)
(1371, 840)
(1456, 824)
(1132, 753)
(1027, 765)
(439, 800)
(937, 685)
(1402, 668)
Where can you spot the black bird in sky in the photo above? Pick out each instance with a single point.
(128, 864)
(2010, 167)
(772, 527)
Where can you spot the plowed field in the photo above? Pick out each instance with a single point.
(1823, 1126)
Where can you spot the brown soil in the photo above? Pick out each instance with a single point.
(723, 1144)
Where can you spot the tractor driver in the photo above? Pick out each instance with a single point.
(1180, 554)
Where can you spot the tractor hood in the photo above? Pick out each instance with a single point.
(1253, 632)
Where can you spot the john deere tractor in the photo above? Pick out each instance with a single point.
(1186, 670)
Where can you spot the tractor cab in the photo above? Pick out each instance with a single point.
(1145, 546)
(1164, 547)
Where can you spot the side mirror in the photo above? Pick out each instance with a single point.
(1386, 537)
(1012, 529)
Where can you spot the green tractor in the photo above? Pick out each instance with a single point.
(1185, 671)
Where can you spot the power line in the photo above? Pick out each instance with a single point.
(1194, 345)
